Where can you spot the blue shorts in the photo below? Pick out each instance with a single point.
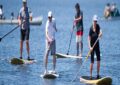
(51, 47)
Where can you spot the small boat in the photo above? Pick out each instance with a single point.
(35, 21)
(113, 18)
(110, 18)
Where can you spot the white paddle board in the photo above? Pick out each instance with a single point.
(60, 55)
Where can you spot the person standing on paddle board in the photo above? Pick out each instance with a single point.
(25, 27)
(50, 40)
(94, 33)
(78, 22)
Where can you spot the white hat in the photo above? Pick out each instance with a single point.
(50, 14)
(95, 18)
(24, 0)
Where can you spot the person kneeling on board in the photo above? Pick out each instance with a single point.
(50, 40)
(94, 33)
(25, 27)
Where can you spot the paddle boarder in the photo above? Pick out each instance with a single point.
(94, 33)
(25, 28)
(78, 22)
(50, 30)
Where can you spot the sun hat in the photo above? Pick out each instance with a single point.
(95, 18)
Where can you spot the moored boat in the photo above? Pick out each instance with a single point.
(35, 21)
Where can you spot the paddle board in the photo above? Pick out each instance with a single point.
(60, 55)
(50, 75)
(17, 61)
(100, 81)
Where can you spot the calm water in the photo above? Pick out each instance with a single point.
(67, 68)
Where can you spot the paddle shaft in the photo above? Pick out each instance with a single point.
(10, 31)
(70, 40)
(86, 59)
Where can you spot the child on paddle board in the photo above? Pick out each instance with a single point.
(25, 27)
(50, 40)
(78, 22)
(94, 33)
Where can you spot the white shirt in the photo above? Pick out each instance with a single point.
(50, 28)
(1, 12)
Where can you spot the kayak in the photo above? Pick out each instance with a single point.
(35, 21)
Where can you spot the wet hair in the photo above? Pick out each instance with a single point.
(77, 6)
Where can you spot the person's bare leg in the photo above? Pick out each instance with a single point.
(54, 62)
(46, 60)
(81, 49)
(91, 68)
(77, 48)
(98, 68)
(28, 48)
(21, 48)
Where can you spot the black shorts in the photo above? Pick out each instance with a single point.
(25, 34)
(97, 51)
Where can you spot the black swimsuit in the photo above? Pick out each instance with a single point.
(94, 35)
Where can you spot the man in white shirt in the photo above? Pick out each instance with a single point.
(50, 40)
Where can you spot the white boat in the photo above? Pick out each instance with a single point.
(35, 21)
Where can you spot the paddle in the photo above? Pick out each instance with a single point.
(86, 58)
(70, 40)
(10, 31)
